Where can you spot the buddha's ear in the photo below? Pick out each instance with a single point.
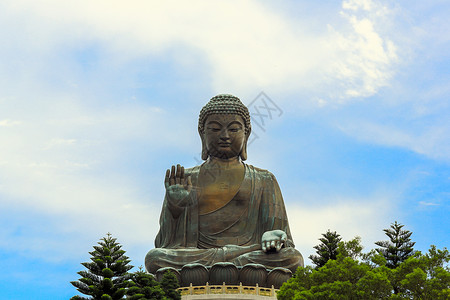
(243, 154)
(205, 153)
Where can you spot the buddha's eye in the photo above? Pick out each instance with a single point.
(213, 129)
(235, 128)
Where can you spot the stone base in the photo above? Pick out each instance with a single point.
(216, 297)
(227, 292)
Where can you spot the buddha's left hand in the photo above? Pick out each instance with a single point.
(273, 239)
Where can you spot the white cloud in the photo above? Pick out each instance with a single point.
(245, 45)
(62, 174)
(349, 217)
(432, 141)
(424, 203)
(358, 4)
(68, 235)
(363, 60)
(9, 123)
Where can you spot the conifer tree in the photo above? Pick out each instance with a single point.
(107, 274)
(169, 284)
(398, 248)
(421, 276)
(143, 286)
(326, 250)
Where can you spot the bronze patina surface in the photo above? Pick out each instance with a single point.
(223, 210)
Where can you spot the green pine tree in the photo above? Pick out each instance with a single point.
(143, 286)
(398, 248)
(421, 276)
(169, 284)
(107, 274)
(326, 250)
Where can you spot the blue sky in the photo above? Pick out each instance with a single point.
(98, 98)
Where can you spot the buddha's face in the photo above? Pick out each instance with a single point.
(224, 135)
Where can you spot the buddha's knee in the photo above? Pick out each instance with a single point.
(154, 259)
(295, 257)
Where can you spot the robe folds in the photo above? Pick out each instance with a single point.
(258, 207)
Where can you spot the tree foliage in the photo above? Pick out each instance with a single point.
(352, 248)
(327, 249)
(357, 275)
(107, 274)
(107, 277)
(143, 286)
(399, 247)
(169, 284)
(423, 276)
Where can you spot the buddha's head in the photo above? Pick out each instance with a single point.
(224, 127)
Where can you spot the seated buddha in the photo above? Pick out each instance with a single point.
(223, 210)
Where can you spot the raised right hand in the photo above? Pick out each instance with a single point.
(177, 186)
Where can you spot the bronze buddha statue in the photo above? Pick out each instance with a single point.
(223, 210)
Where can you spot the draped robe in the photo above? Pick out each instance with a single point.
(185, 236)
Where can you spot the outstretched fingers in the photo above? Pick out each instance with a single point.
(172, 176)
(167, 179)
(178, 175)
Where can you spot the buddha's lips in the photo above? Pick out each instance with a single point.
(224, 144)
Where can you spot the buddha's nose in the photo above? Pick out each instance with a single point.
(224, 135)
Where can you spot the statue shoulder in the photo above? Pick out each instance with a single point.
(261, 172)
